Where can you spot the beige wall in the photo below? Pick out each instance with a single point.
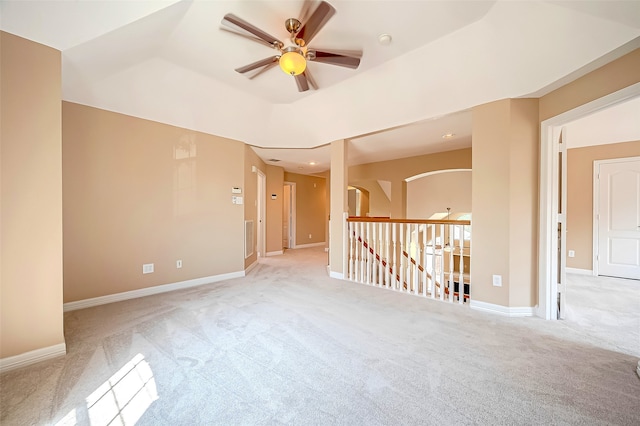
(275, 182)
(136, 192)
(504, 200)
(396, 171)
(379, 203)
(434, 193)
(610, 78)
(310, 207)
(31, 211)
(580, 197)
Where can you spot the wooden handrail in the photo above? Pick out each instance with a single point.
(425, 221)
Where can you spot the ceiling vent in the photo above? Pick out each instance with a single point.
(273, 160)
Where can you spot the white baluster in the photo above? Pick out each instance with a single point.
(363, 254)
(401, 266)
(380, 248)
(423, 260)
(449, 254)
(387, 257)
(394, 254)
(374, 247)
(369, 262)
(416, 270)
(461, 268)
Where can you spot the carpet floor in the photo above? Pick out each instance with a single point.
(288, 345)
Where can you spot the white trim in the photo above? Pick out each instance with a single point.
(32, 357)
(275, 253)
(548, 183)
(299, 246)
(577, 271)
(293, 212)
(133, 294)
(638, 369)
(336, 275)
(523, 311)
(436, 172)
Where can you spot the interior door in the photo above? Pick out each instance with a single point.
(618, 217)
(286, 215)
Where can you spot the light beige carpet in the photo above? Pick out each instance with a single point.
(288, 345)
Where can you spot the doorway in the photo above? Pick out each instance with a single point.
(261, 231)
(289, 216)
(551, 232)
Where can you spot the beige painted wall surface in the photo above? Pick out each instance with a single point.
(434, 193)
(396, 171)
(136, 192)
(379, 204)
(607, 79)
(250, 197)
(310, 207)
(580, 196)
(490, 200)
(523, 202)
(275, 182)
(31, 220)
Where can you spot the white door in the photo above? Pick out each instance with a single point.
(618, 217)
(260, 207)
(562, 223)
(286, 215)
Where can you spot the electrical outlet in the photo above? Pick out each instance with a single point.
(309, 236)
(572, 253)
(497, 280)
(147, 268)
(178, 264)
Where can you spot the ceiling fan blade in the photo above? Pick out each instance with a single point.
(349, 59)
(233, 21)
(257, 64)
(316, 21)
(306, 10)
(247, 36)
(301, 81)
(265, 68)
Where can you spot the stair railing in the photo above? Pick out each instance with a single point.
(427, 258)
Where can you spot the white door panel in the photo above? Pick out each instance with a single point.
(618, 218)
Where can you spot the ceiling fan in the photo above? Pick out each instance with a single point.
(294, 55)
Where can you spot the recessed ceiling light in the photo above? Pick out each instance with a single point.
(448, 135)
(384, 39)
(312, 163)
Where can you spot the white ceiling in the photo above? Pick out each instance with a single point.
(169, 61)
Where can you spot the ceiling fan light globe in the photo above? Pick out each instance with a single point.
(292, 63)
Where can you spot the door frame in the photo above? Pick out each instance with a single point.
(292, 222)
(548, 191)
(260, 212)
(596, 207)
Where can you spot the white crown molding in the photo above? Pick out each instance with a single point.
(32, 357)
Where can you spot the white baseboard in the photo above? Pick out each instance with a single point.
(502, 310)
(133, 294)
(32, 357)
(337, 275)
(299, 246)
(275, 253)
(579, 271)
